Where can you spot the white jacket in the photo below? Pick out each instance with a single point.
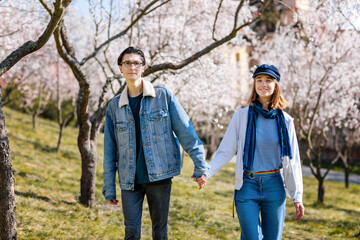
(233, 143)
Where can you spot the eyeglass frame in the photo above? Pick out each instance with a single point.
(128, 64)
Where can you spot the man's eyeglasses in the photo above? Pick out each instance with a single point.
(128, 64)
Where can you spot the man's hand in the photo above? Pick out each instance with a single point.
(300, 209)
(113, 201)
(201, 181)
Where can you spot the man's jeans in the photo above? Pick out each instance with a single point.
(158, 197)
(264, 194)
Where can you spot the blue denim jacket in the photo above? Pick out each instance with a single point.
(163, 124)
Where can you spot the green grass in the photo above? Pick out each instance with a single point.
(48, 184)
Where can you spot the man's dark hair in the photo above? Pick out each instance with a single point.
(131, 50)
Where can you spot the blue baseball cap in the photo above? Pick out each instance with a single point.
(270, 70)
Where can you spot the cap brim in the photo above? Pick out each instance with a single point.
(267, 73)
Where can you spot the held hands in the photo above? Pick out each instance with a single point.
(300, 209)
(201, 181)
(113, 201)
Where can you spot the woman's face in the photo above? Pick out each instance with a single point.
(264, 86)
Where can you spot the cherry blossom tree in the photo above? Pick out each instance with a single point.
(173, 34)
(344, 137)
(66, 92)
(7, 201)
(206, 91)
(318, 61)
(36, 90)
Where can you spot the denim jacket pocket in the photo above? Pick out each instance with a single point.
(122, 133)
(156, 116)
(158, 122)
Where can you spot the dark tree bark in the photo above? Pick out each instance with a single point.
(7, 180)
(347, 177)
(343, 146)
(321, 191)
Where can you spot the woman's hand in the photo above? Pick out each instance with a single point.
(300, 209)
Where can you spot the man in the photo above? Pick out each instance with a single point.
(140, 143)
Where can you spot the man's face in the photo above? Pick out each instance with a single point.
(132, 67)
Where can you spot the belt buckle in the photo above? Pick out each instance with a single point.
(251, 176)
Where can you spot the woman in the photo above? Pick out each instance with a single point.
(263, 137)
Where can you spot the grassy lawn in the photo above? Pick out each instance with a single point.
(48, 184)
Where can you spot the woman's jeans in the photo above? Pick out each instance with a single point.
(264, 195)
(158, 197)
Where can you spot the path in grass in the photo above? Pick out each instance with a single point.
(332, 176)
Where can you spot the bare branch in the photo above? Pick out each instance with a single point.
(158, 6)
(241, 4)
(84, 91)
(9, 34)
(104, 91)
(31, 46)
(347, 19)
(194, 57)
(47, 8)
(102, 67)
(108, 62)
(66, 42)
(144, 12)
(216, 17)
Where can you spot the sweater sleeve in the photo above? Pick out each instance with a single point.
(292, 168)
(228, 146)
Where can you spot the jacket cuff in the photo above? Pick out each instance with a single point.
(199, 173)
(109, 195)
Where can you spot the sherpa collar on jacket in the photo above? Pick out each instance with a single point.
(148, 91)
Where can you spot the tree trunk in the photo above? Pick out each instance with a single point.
(7, 180)
(347, 176)
(87, 146)
(34, 121)
(212, 146)
(344, 161)
(321, 191)
(60, 136)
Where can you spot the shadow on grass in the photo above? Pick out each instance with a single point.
(37, 145)
(351, 212)
(70, 154)
(44, 147)
(36, 196)
(32, 195)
